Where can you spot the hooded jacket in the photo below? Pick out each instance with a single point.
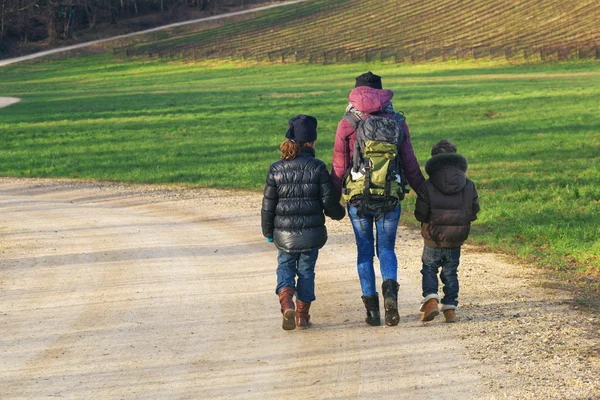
(447, 202)
(296, 194)
(370, 101)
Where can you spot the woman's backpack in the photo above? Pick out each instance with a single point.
(375, 180)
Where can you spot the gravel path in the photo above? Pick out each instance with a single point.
(133, 291)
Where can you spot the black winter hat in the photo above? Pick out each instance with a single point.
(302, 128)
(369, 79)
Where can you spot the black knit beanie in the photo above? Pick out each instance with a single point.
(302, 128)
(369, 79)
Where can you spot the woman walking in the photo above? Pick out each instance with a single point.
(369, 99)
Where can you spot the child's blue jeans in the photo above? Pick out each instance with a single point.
(448, 259)
(386, 229)
(301, 264)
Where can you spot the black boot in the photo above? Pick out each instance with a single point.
(390, 302)
(372, 306)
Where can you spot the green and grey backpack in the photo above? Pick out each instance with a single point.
(375, 180)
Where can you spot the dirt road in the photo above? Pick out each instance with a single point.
(112, 291)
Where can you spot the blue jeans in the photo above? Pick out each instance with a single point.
(386, 229)
(448, 259)
(301, 264)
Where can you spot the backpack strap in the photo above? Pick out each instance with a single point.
(352, 119)
(367, 191)
(400, 119)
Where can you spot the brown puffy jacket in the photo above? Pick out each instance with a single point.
(447, 202)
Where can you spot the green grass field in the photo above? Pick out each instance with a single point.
(531, 133)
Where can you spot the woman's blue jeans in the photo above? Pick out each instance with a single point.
(301, 264)
(386, 229)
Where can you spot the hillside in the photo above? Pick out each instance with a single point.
(352, 30)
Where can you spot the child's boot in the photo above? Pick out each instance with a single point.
(390, 302)
(430, 307)
(286, 299)
(372, 306)
(449, 312)
(302, 315)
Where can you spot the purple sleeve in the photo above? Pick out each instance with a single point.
(341, 155)
(410, 165)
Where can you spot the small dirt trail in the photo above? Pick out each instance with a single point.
(115, 291)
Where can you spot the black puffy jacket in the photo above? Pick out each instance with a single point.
(447, 202)
(296, 194)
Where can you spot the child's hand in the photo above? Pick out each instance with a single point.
(270, 239)
(336, 213)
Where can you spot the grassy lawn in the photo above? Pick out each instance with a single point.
(531, 133)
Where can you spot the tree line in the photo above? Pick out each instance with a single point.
(24, 21)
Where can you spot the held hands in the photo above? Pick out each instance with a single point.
(338, 212)
(270, 239)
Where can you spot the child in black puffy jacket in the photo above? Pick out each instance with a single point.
(446, 205)
(297, 193)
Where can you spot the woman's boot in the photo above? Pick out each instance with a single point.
(372, 306)
(302, 315)
(390, 302)
(286, 299)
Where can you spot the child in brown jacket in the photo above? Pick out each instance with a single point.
(446, 204)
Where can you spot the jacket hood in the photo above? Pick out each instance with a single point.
(369, 100)
(447, 172)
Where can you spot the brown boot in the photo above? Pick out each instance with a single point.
(302, 315)
(449, 312)
(450, 315)
(430, 310)
(286, 299)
